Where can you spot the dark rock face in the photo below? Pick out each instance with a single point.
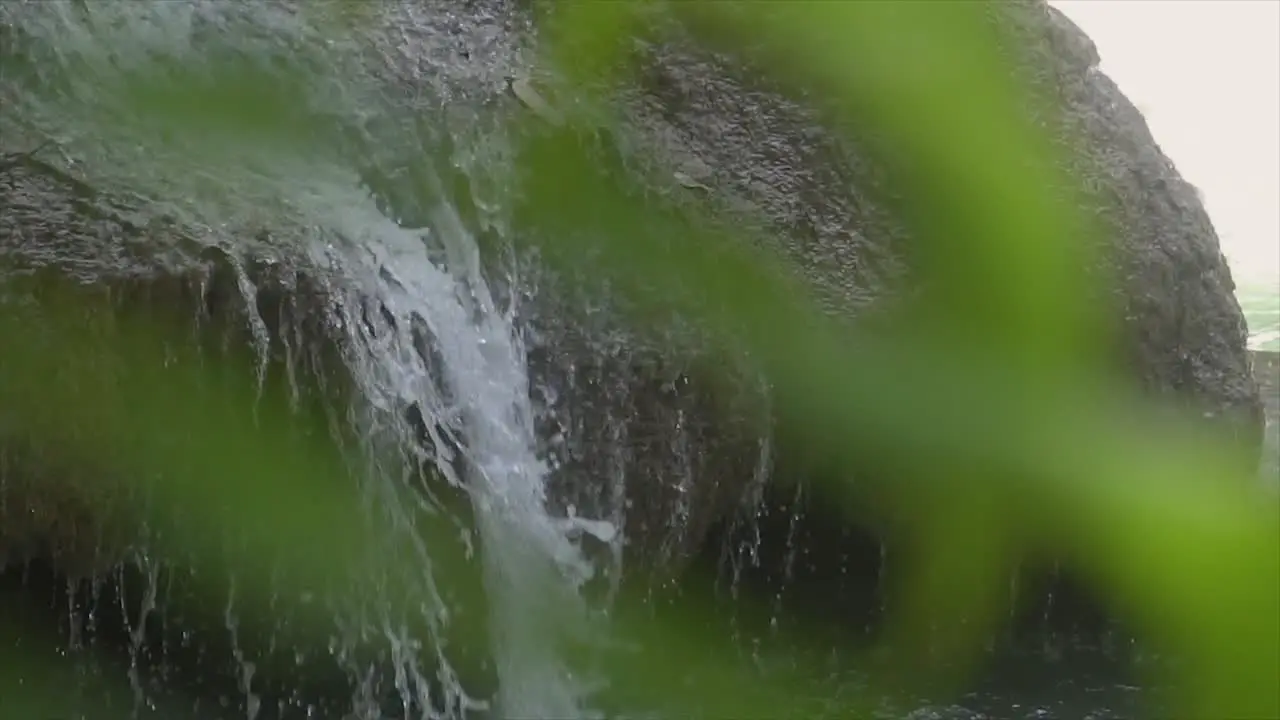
(52, 224)
(74, 531)
(767, 155)
(1183, 330)
(1182, 327)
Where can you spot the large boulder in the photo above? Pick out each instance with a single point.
(633, 429)
(767, 154)
(1184, 334)
(760, 153)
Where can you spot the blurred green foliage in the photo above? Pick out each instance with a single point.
(1018, 444)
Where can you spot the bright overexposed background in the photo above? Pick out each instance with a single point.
(1206, 76)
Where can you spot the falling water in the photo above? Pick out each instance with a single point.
(424, 332)
(533, 567)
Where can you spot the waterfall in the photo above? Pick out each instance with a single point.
(422, 334)
(480, 394)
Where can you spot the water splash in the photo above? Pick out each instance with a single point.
(478, 402)
(424, 336)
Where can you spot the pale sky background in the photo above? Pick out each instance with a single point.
(1206, 75)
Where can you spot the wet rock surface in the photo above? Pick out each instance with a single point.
(77, 531)
(1183, 330)
(1182, 327)
(767, 158)
(771, 162)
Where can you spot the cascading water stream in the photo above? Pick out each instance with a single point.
(533, 569)
(392, 289)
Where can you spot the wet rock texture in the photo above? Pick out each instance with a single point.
(710, 117)
(59, 236)
(1183, 328)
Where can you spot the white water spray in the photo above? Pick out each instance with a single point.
(533, 568)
